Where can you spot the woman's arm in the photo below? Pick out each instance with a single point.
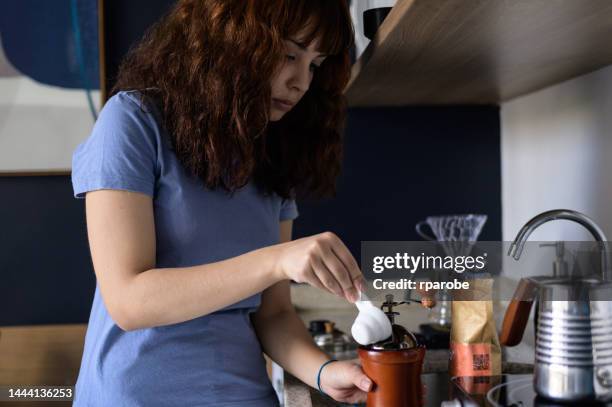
(121, 232)
(281, 331)
(122, 241)
(286, 340)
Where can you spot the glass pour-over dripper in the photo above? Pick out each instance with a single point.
(456, 234)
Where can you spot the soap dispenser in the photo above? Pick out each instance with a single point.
(560, 268)
(394, 365)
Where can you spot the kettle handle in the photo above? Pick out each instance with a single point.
(517, 314)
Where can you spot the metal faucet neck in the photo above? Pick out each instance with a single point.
(516, 248)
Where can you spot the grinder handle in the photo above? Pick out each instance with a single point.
(517, 314)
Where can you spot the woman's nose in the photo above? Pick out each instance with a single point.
(300, 78)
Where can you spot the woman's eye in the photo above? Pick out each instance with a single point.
(314, 67)
(290, 57)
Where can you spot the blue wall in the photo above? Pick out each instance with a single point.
(403, 164)
(45, 266)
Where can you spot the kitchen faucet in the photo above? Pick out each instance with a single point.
(571, 323)
(516, 248)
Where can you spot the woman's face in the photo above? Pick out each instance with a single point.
(293, 78)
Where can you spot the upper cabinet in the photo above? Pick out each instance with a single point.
(479, 51)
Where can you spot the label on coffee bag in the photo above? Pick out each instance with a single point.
(471, 359)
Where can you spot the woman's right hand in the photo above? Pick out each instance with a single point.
(322, 261)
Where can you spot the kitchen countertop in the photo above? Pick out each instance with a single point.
(299, 394)
(312, 304)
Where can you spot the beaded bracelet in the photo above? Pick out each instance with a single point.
(319, 374)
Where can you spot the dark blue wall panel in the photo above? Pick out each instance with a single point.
(47, 276)
(403, 164)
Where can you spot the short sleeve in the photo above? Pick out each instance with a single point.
(120, 153)
(288, 210)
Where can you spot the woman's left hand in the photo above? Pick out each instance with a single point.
(345, 381)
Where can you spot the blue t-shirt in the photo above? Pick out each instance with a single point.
(214, 360)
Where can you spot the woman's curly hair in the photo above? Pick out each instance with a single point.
(208, 66)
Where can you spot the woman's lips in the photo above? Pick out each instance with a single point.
(282, 104)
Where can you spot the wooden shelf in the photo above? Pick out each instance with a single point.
(479, 51)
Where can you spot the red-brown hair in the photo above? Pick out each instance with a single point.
(208, 65)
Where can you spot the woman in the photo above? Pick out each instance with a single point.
(224, 112)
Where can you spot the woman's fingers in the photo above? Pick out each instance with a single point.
(341, 274)
(346, 266)
(326, 261)
(346, 380)
(326, 277)
(360, 284)
(354, 375)
(312, 279)
(345, 256)
(359, 379)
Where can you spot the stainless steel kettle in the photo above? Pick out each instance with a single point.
(573, 357)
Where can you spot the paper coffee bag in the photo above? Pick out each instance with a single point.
(474, 345)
